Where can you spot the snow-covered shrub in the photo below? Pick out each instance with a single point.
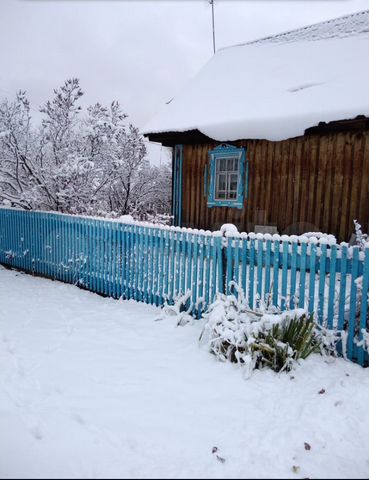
(361, 238)
(364, 342)
(329, 339)
(178, 310)
(157, 218)
(254, 339)
(361, 241)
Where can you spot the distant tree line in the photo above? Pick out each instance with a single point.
(92, 164)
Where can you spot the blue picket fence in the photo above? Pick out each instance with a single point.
(137, 261)
(156, 265)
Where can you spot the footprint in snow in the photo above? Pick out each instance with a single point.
(36, 432)
(79, 419)
(215, 451)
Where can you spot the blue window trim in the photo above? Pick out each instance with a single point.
(223, 151)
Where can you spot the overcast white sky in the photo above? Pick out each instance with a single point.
(137, 52)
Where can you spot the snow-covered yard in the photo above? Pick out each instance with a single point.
(95, 388)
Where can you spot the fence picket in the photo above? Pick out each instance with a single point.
(122, 264)
(364, 307)
(267, 269)
(156, 269)
(284, 274)
(214, 273)
(172, 258)
(229, 275)
(130, 261)
(195, 273)
(189, 261)
(102, 257)
(251, 273)
(312, 277)
(259, 285)
(244, 265)
(218, 266)
(166, 265)
(177, 271)
(275, 271)
(161, 268)
(183, 266)
(302, 274)
(201, 274)
(353, 294)
(322, 277)
(236, 275)
(293, 302)
(342, 294)
(332, 286)
(137, 265)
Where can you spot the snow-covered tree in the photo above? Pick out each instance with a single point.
(93, 164)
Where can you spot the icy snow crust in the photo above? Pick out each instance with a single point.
(92, 387)
(277, 87)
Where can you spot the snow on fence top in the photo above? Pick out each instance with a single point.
(277, 87)
(226, 231)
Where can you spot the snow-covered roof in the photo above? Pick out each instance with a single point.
(277, 87)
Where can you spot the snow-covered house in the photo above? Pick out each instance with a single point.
(275, 132)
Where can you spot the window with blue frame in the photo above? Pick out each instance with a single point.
(227, 176)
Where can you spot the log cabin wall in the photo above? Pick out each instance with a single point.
(318, 182)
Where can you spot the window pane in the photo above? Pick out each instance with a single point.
(232, 181)
(232, 164)
(232, 195)
(221, 181)
(221, 195)
(222, 164)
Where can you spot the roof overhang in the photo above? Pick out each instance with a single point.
(195, 137)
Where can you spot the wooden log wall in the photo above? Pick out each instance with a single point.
(318, 182)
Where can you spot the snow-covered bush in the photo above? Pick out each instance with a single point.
(255, 339)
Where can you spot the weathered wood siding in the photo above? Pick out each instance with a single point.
(311, 183)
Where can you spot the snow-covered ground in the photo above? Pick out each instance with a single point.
(93, 387)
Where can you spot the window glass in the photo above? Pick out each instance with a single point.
(222, 179)
(232, 181)
(226, 178)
